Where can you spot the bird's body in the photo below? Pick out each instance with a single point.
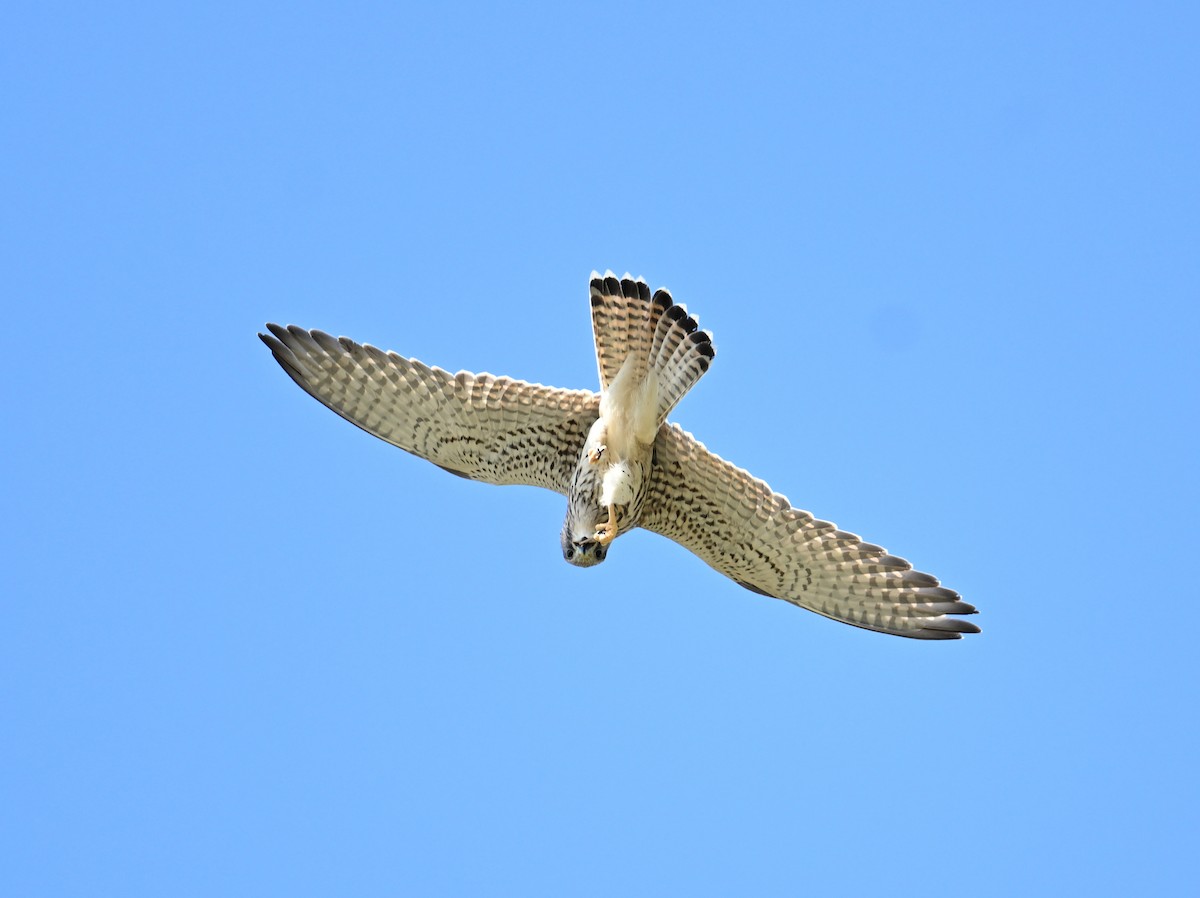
(618, 461)
(649, 350)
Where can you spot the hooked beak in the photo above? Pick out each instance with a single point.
(587, 550)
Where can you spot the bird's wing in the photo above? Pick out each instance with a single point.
(753, 535)
(488, 428)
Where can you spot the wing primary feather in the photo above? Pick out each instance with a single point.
(463, 423)
(739, 526)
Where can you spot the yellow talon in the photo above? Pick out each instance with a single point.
(608, 531)
(594, 455)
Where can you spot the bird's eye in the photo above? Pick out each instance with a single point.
(570, 552)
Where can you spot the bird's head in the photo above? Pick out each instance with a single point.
(582, 549)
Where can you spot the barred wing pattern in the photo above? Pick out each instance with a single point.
(740, 527)
(494, 429)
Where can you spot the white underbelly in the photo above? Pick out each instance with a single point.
(618, 486)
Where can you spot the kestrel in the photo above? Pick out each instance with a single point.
(618, 461)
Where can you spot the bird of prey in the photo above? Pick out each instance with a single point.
(618, 461)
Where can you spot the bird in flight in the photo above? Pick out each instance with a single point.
(618, 461)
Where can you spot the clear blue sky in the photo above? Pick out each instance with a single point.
(950, 254)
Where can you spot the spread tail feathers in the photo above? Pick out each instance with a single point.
(652, 333)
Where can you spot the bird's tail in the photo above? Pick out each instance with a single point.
(651, 333)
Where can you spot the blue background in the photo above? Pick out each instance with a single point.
(949, 256)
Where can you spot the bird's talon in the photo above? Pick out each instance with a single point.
(608, 530)
(594, 455)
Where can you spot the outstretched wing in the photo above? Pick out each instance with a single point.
(493, 429)
(753, 535)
